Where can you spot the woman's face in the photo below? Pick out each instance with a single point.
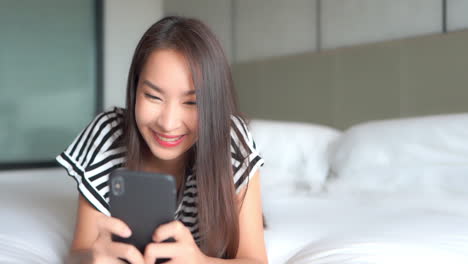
(165, 108)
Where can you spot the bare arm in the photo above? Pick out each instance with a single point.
(83, 238)
(86, 231)
(92, 239)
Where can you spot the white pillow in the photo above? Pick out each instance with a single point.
(413, 154)
(296, 155)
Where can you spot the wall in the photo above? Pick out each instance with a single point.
(124, 23)
(216, 13)
(252, 30)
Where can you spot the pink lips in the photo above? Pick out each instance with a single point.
(168, 144)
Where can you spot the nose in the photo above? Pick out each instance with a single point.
(169, 118)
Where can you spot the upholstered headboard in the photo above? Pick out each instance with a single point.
(410, 77)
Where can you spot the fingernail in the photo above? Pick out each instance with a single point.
(127, 232)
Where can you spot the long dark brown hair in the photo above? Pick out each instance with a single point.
(218, 210)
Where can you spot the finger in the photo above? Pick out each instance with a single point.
(155, 251)
(113, 225)
(126, 251)
(107, 259)
(174, 229)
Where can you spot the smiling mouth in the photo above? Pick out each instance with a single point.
(168, 141)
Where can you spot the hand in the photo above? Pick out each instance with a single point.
(183, 250)
(104, 250)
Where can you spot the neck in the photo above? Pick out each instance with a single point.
(175, 167)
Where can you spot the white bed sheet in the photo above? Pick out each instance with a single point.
(37, 215)
(338, 228)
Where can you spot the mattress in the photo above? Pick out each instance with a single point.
(37, 212)
(38, 207)
(366, 228)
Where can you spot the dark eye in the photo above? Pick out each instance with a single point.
(191, 103)
(152, 97)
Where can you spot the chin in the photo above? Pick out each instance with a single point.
(167, 155)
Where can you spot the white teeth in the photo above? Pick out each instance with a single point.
(169, 139)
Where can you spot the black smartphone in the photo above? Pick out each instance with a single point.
(143, 201)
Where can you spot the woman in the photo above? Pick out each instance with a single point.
(181, 118)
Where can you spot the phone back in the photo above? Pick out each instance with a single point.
(143, 201)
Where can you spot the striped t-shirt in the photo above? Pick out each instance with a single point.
(96, 152)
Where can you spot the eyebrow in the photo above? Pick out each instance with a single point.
(157, 89)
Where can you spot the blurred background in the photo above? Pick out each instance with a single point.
(331, 62)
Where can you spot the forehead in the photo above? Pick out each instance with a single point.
(168, 69)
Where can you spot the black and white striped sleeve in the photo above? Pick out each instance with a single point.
(245, 158)
(93, 155)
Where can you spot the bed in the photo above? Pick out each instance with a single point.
(367, 229)
(390, 191)
(37, 212)
(386, 191)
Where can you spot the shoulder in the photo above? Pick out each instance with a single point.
(94, 154)
(240, 133)
(245, 157)
(98, 136)
(107, 120)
